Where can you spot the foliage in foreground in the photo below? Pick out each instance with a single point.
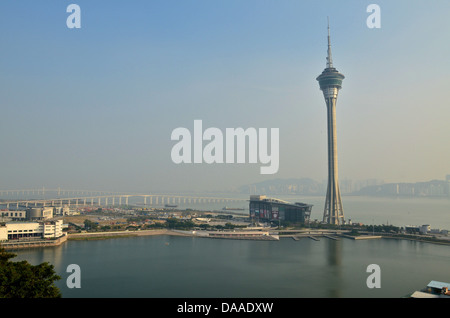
(23, 280)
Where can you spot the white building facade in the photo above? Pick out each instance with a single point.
(31, 230)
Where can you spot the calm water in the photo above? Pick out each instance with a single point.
(168, 266)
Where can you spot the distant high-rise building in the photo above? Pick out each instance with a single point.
(330, 82)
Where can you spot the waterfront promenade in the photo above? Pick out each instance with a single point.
(16, 244)
(111, 234)
(263, 234)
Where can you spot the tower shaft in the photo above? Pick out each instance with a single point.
(333, 211)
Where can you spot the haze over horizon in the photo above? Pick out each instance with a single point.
(94, 108)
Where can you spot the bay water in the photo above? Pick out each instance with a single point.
(186, 267)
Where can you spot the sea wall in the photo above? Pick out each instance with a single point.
(14, 245)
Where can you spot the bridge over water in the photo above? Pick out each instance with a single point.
(60, 197)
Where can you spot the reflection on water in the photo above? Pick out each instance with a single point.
(334, 254)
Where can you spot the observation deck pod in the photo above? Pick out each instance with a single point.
(330, 78)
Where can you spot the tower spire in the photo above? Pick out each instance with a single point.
(329, 58)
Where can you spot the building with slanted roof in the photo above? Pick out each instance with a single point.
(270, 209)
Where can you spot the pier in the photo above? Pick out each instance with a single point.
(331, 237)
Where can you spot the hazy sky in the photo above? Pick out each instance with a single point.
(94, 108)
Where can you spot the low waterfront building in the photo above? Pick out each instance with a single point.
(237, 234)
(29, 230)
(270, 209)
(412, 229)
(243, 235)
(424, 229)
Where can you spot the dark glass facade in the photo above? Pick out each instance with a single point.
(268, 209)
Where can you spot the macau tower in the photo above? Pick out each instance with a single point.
(330, 82)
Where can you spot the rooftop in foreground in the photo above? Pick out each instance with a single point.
(434, 289)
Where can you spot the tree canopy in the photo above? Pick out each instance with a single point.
(23, 280)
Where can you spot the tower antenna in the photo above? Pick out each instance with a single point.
(329, 58)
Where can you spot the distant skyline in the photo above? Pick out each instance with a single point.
(94, 108)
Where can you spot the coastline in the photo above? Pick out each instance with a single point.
(116, 234)
(439, 242)
(12, 245)
(15, 245)
(123, 234)
(106, 235)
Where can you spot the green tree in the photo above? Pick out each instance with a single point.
(89, 225)
(173, 223)
(23, 280)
